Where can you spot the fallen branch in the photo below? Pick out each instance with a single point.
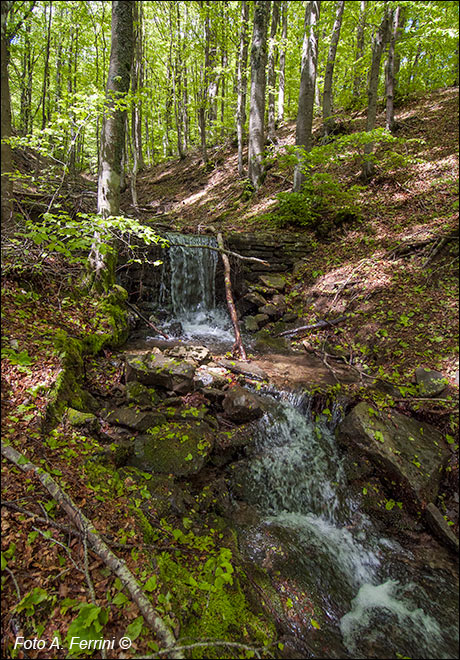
(312, 326)
(222, 251)
(238, 345)
(117, 565)
(149, 323)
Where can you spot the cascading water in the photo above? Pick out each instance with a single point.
(375, 601)
(190, 286)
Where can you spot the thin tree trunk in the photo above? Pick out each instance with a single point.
(238, 347)
(307, 89)
(357, 79)
(7, 159)
(242, 85)
(272, 57)
(257, 102)
(282, 73)
(377, 50)
(136, 84)
(328, 120)
(85, 526)
(26, 84)
(45, 108)
(390, 70)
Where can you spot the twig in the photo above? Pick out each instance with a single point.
(53, 540)
(11, 574)
(195, 645)
(238, 345)
(320, 324)
(222, 250)
(149, 323)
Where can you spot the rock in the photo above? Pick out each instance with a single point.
(290, 317)
(273, 280)
(161, 371)
(270, 310)
(178, 448)
(264, 342)
(82, 420)
(251, 324)
(438, 525)
(175, 328)
(196, 354)
(255, 299)
(134, 418)
(214, 395)
(241, 406)
(206, 376)
(249, 370)
(430, 383)
(141, 395)
(408, 455)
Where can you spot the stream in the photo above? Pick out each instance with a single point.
(349, 591)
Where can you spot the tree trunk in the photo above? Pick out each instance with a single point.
(136, 84)
(113, 128)
(26, 84)
(7, 159)
(357, 79)
(282, 72)
(307, 89)
(242, 85)
(328, 120)
(45, 108)
(238, 347)
(257, 102)
(374, 75)
(272, 56)
(390, 70)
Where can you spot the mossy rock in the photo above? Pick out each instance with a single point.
(264, 342)
(179, 448)
(80, 419)
(142, 395)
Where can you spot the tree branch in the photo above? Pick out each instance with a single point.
(222, 250)
(117, 565)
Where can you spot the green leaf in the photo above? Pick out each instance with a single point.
(134, 629)
(315, 624)
(151, 583)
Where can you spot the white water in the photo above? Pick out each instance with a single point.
(297, 481)
(190, 286)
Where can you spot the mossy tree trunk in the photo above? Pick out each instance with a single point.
(113, 133)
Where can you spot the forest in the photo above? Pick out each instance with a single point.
(229, 329)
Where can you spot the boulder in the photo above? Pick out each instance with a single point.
(250, 370)
(408, 455)
(430, 383)
(178, 448)
(132, 417)
(274, 281)
(251, 324)
(161, 371)
(207, 376)
(271, 311)
(82, 420)
(255, 299)
(438, 525)
(241, 406)
(264, 342)
(195, 354)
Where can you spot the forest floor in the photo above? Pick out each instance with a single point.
(395, 272)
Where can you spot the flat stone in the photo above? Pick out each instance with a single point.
(273, 280)
(255, 299)
(430, 382)
(161, 371)
(134, 418)
(196, 354)
(249, 370)
(438, 525)
(206, 376)
(409, 455)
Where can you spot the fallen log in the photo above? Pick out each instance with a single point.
(98, 546)
(312, 326)
(149, 323)
(238, 345)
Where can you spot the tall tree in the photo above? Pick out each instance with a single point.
(390, 69)
(328, 120)
(257, 98)
(304, 124)
(272, 53)
(113, 128)
(360, 34)
(137, 80)
(242, 84)
(372, 92)
(282, 67)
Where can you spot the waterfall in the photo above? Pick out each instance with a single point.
(189, 285)
(371, 593)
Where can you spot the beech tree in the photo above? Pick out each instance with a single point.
(257, 100)
(242, 84)
(304, 124)
(328, 120)
(272, 54)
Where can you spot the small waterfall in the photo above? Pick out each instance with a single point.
(370, 589)
(189, 287)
